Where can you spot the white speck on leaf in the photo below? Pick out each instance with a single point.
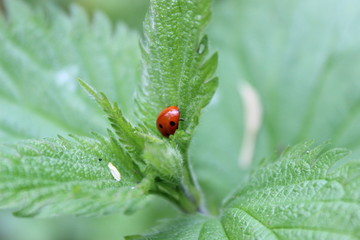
(114, 171)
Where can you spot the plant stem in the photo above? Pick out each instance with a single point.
(192, 189)
(186, 195)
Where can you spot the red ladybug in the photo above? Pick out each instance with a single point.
(168, 121)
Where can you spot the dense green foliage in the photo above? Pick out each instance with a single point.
(42, 54)
(303, 64)
(301, 195)
(299, 60)
(159, 166)
(65, 176)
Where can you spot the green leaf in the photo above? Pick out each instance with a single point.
(43, 51)
(302, 62)
(165, 158)
(190, 227)
(305, 194)
(176, 68)
(122, 127)
(60, 176)
(133, 145)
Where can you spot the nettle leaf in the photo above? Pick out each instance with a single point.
(191, 227)
(158, 159)
(122, 127)
(308, 83)
(176, 69)
(157, 165)
(302, 62)
(305, 194)
(165, 158)
(60, 176)
(43, 52)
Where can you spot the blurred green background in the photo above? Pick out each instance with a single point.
(303, 62)
(130, 12)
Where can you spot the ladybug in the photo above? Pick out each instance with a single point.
(168, 121)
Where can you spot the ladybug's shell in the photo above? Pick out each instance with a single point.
(168, 121)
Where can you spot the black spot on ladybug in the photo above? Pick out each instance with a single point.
(100, 159)
(172, 123)
(167, 134)
(177, 126)
(160, 126)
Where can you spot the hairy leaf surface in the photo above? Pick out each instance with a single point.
(67, 176)
(305, 194)
(177, 70)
